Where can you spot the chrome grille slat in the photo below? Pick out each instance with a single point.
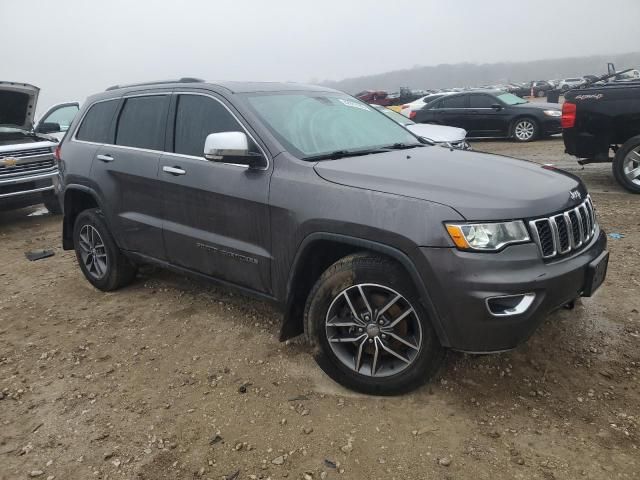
(30, 152)
(564, 232)
(24, 168)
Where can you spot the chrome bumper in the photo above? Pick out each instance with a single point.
(26, 179)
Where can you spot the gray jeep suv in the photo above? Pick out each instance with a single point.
(383, 250)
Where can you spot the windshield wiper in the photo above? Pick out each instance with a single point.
(345, 153)
(403, 146)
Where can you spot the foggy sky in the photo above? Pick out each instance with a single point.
(73, 48)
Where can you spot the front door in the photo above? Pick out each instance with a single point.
(216, 214)
(57, 120)
(485, 120)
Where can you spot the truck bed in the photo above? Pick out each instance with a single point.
(606, 116)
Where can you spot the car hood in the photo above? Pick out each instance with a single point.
(539, 105)
(479, 186)
(18, 104)
(438, 133)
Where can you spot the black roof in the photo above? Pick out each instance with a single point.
(233, 87)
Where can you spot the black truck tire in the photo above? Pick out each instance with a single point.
(626, 165)
(52, 204)
(357, 341)
(100, 259)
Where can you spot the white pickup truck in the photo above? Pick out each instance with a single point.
(27, 149)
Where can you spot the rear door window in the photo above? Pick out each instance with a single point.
(196, 117)
(459, 101)
(96, 125)
(142, 122)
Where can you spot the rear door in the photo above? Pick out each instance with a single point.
(216, 214)
(487, 121)
(125, 169)
(453, 111)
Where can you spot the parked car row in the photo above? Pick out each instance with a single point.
(492, 114)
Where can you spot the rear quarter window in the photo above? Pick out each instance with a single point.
(96, 125)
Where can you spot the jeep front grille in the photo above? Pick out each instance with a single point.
(564, 232)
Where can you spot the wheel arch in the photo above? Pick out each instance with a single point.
(77, 198)
(314, 257)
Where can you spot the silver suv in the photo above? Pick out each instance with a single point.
(27, 162)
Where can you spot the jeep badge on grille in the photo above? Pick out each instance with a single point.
(575, 195)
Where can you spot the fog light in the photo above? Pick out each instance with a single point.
(507, 305)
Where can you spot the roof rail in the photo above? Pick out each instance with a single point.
(157, 82)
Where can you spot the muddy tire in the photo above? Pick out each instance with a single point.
(100, 259)
(626, 165)
(368, 328)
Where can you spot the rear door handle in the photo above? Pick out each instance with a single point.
(105, 158)
(174, 170)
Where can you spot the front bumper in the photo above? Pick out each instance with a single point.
(460, 283)
(17, 192)
(551, 126)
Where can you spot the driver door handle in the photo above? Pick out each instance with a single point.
(105, 158)
(174, 170)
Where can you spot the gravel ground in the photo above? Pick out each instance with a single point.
(171, 378)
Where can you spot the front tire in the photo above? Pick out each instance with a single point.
(100, 259)
(52, 204)
(525, 130)
(626, 165)
(369, 329)
(541, 94)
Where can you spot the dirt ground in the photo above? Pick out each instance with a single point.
(175, 379)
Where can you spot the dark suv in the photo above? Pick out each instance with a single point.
(383, 250)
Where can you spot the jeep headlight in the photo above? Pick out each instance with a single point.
(553, 113)
(487, 237)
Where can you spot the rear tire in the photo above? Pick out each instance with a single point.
(100, 259)
(541, 94)
(525, 130)
(626, 165)
(366, 327)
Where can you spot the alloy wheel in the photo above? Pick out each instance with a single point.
(524, 130)
(93, 252)
(373, 330)
(631, 166)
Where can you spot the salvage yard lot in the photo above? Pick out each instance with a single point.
(173, 378)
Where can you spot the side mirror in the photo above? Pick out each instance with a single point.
(231, 147)
(48, 127)
(497, 107)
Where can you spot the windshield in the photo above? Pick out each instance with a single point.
(511, 99)
(396, 117)
(312, 124)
